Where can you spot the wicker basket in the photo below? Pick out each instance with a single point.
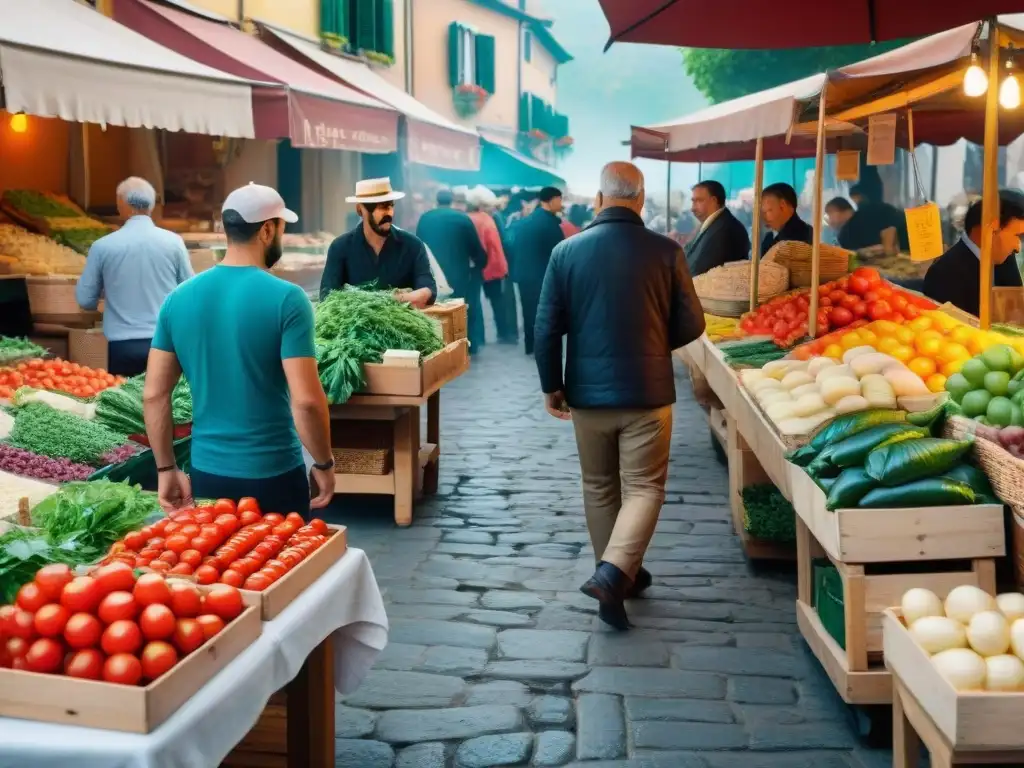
(834, 261)
(52, 299)
(88, 346)
(361, 461)
(731, 282)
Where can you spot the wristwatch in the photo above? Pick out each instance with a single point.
(327, 465)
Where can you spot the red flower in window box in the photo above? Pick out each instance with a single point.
(538, 135)
(469, 99)
(565, 141)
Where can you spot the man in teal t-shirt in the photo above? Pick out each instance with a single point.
(244, 340)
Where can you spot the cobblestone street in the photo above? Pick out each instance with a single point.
(496, 659)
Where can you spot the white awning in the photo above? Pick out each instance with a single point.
(62, 59)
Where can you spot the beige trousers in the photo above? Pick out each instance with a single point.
(624, 463)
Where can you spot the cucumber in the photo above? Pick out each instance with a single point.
(929, 492)
(852, 451)
(849, 488)
(911, 460)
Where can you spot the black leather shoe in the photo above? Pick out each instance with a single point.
(614, 615)
(640, 583)
(609, 586)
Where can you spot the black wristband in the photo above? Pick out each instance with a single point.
(325, 466)
(171, 468)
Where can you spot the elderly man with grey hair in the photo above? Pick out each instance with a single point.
(132, 270)
(622, 296)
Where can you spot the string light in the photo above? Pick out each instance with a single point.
(975, 79)
(1009, 91)
(19, 122)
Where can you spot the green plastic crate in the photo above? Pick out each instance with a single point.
(828, 600)
(141, 468)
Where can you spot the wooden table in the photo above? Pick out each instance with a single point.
(416, 463)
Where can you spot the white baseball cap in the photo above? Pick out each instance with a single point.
(256, 203)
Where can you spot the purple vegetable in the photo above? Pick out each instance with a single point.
(27, 464)
(120, 454)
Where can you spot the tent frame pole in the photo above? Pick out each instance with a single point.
(819, 181)
(755, 228)
(990, 176)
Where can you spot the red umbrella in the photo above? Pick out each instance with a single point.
(793, 24)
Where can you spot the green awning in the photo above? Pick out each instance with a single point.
(501, 167)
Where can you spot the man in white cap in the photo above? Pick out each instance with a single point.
(377, 252)
(244, 340)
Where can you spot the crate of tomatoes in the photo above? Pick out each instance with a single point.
(115, 649)
(277, 556)
(56, 375)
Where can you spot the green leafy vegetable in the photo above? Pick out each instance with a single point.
(61, 435)
(913, 460)
(38, 204)
(22, 554)
(13, 349)
(767, 515)
(120, 408)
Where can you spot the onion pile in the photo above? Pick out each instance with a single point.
(975, 641)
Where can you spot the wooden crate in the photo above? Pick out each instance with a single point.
(52, 300)
(976, 726)
(745, 470)
(761, 438)
(283, 592)
(898, 535)
(453, 316)
(721, 378)
(135, 709)
(412, 382)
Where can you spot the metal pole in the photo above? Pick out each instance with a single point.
(755, 229)
(990, 176)
(819, 177)
(668, 200)
(700, 171)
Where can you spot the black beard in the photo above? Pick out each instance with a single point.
(378, 226)
(273, 254)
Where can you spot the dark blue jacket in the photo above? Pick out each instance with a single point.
(623, 296)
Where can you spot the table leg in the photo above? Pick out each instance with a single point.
(431, 472)
(406, 465)
(311, 711)
(906, 746)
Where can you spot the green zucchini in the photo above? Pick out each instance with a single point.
(852, 451)
(932, 418)
(976, 479)
(850, 424)
(849, 488)
(825, 483)
(911, 460)
(928, 492)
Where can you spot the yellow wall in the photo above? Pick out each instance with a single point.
(227, 8)
(395, 74)
(430, 59)
(301, 16)
(538, 74)
(36, 159)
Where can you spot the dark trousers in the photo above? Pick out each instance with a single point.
(282, 493)
(497, 292)
(128, 358)
(473, 294)
(529, 294)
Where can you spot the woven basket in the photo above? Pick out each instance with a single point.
(88, 346)
(1004, 471)
(731, 282)
(834, 261)
(361, 461)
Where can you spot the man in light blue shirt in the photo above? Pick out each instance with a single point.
(133, 270)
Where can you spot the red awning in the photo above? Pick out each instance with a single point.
(312, 110)
(795, 24)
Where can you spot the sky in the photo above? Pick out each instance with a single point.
(604, 93)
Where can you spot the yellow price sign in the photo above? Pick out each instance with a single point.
(924, 229)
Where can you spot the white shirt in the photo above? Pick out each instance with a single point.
(707, 222)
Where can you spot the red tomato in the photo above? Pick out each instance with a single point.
(879, 310)
(6, 618)
(52, 578)
(191, 530)
(81, 595)
(117, 606)
(203, 516)
(121, 637)
(135, 540)
(172, 527)
(17, 647)
(83, 630)
(248, 504)
(286, 529)
(257, 582)
(151, 588)
(898, 303)
(156, 622)
(182, 569)
(31, 597)
(44, 655)
(273, 518)
(86, 664)
(157, 542)
(836, 297)
(291, 558)
(116, 577)
(232, 578)
(169, 557)
(211, 624)
(188, 635)
(249, 517)
(150, 553)
(186, 601)
(22, 625)
(178, 543)
(122, 668)
(224, 507)
(840, 316)
(157, 658)
(204, 544)
(49, 620)
(860, 309)
(224, 601)
(318, 525)
(160, 566)
(911, 312)
(869, 274)
(207, 574)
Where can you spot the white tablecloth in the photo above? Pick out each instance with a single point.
(345, 601)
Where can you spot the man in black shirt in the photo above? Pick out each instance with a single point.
(377, 252)
(778, 205)
(956, 275)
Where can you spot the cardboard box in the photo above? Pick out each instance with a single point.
(412, 382)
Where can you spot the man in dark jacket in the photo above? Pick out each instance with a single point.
(623, 296)
(778, 206)
(452, 238)
(533, 240)
(956, 275)
(721, 238)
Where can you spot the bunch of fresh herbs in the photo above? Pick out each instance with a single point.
(767, 515)
(61, 435)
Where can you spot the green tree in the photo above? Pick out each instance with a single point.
(722, 74)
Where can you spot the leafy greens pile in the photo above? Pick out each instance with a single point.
(120, 408)
(76, 525)
(14, 349)
(355, 326)
(61, 435)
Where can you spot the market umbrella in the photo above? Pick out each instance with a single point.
(796, 24)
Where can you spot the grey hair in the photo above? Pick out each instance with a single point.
(138, 194)
(622, 181)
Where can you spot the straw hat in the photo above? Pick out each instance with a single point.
(374, 191)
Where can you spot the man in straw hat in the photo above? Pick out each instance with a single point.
(377, 252)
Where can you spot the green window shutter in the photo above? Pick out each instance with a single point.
(536, 113)
(485, 62)
(362, 24)
(385, 30)
(524, 113)
(334, 18)
(527, 46)
(454, 43)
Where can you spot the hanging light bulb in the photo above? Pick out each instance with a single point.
(19, 122)
(1009, 91)
(975, 79)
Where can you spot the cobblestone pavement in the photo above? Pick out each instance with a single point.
(496, 659)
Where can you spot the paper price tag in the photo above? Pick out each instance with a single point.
(848, 165)
(882, 139)
(924, 228)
